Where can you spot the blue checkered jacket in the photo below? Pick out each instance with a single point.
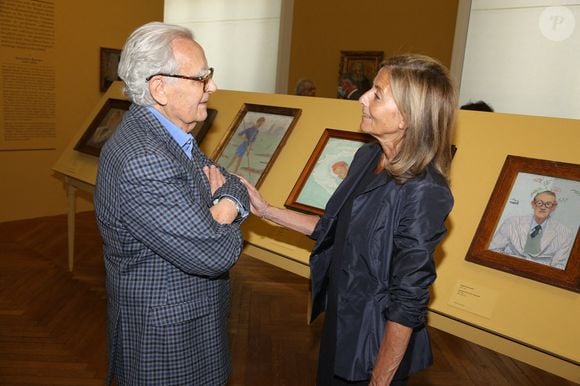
(166, 259)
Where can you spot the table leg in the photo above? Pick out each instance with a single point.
(71, 198)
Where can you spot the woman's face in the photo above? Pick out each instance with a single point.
(381, 117)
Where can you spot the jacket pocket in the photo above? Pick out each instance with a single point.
(171, 314)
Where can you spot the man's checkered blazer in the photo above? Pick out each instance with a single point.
(166, 259)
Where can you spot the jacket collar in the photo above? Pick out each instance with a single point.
(195, 164)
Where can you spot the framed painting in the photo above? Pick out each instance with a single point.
(254, 140)
(201, 128)
(359, 69)
(326, 168)
(530, 225)
(102, 126)
(109, 61)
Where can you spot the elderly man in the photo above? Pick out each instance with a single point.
(305, 87)
(537, 237)
(169, 219)
(348, 88)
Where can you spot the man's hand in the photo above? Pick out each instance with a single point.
(225, 210)
(215, 177)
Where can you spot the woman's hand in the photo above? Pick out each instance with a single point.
(299, 222)
(258, 206)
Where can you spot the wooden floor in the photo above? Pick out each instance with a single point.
(52, 322)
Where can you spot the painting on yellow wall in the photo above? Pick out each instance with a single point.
(325, 169)
(254, 140)
(356, 72)
(102, 127)
(530, 225)
(109, 61)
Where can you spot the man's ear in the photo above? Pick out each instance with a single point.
(158, 91)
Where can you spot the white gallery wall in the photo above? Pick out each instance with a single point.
(523, 57)
(240, 38)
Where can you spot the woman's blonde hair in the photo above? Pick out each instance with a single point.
(426, 97)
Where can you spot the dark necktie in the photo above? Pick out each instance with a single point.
(536, 230)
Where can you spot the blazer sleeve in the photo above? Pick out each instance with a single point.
(232, 188)
(424, 208)
(165, 214)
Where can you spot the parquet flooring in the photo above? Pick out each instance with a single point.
(52, 322)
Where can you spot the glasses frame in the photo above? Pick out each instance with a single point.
(200, 78)
(543, 204)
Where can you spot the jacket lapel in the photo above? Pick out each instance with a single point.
(193, 166)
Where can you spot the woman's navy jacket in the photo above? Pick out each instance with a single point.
(388, 263)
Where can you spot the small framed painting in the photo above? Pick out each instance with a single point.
(530, 225)
(325, 170)
(356, 72)
(102, 127)
(254, 140)
(109, 61)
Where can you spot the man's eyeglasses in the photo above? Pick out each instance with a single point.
(547, 204)
(205, 78)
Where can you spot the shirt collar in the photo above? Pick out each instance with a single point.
(543, 225)
(183, 139)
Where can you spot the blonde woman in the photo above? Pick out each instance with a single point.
(372, 265)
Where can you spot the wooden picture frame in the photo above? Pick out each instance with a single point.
(501, 239)
(254, 140)
(201, 128)
(102, 126)
(109, 61)
(361, 66)
(325, 169)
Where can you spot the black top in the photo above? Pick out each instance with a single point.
(325, 376)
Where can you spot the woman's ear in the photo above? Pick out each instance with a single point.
(402, 122)
(157, 90)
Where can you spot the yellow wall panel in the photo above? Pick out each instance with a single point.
(323, 28)
(29, 186)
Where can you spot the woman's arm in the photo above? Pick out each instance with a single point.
(303, 223)
(421, 227)
(391, 353)
(298, 222)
